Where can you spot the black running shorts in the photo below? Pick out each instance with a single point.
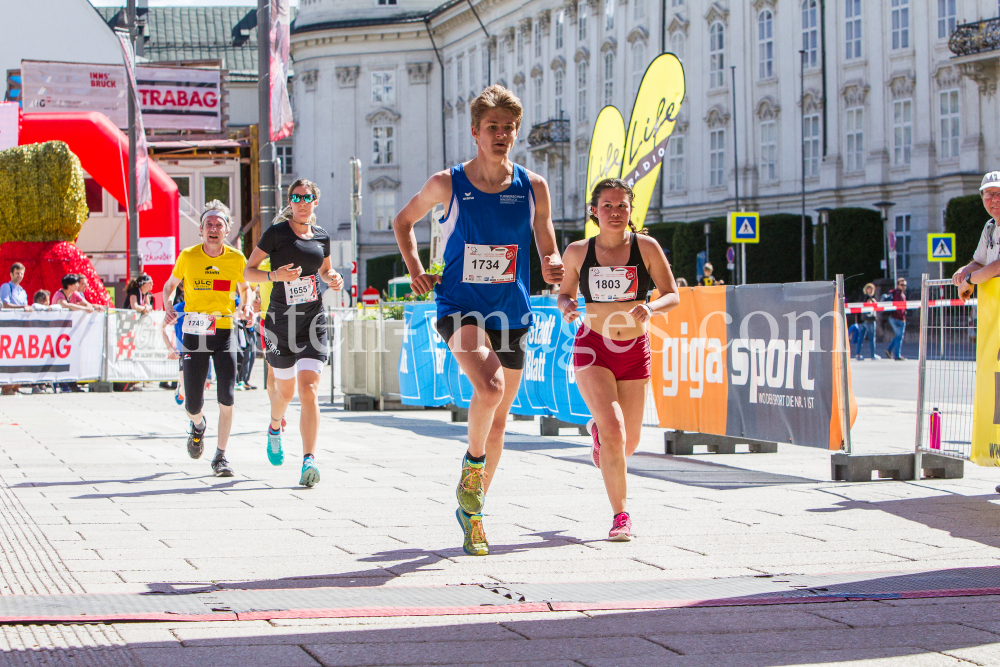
(508, 344)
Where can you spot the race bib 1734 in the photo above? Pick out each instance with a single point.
(489, 263)
(613, 283)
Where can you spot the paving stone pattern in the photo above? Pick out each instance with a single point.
(98, 497)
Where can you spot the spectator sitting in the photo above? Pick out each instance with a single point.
(69, 296)
(41, 300)
(83, 295)
(12, 295)
(138, 294)
(682, 282)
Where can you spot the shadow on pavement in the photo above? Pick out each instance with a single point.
(966, 517)
(702, 474)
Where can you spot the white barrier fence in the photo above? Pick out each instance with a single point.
(69, 346)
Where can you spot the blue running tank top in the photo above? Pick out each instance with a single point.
(474, 227)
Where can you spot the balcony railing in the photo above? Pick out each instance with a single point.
(977, 37)
(555, 131)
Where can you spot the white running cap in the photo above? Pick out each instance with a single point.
(991, 180)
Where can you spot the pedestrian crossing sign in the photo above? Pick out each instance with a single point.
(743, 227)
(940, 247)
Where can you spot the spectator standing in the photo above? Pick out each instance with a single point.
(138, 294)
(12, 295)
(897, 319)
(69, 296)
(867, 323)
(82, 292)
(984, 264)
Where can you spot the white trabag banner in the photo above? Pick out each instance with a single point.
(50, 346)
(137, 351)
(173, 98)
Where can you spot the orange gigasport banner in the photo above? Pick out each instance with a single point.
(758, 361)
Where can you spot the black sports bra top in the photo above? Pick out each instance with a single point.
(605, 284)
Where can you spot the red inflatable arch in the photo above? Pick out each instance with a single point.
(103, 152)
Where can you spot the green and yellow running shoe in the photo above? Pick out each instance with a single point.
(471, 495)
(475, 543)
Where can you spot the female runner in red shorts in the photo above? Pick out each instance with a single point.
(611, 353)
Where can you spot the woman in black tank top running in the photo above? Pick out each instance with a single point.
(611, 356)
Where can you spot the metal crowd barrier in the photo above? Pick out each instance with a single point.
(947, 372)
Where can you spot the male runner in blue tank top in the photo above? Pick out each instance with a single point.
(483, 312)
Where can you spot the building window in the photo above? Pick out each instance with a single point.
(387, 2)
(609, 14)
(765, 41)
(677, 45)
(383, 88)
(459, 66)
(638, 66)
(382, 145)
(501, 60)
(677, 3)
(717, 158)
(810, 145)
(560, 76)
(810, 33)
(560, 15)
(581, 175)
(486, 65)
(855, 139)
(472, 68)
(853, 29)
(538, 39)
(284, 153)
(384, 205)
(946, 18)
(949, 124)
(640, 10)
(519, 48)
(769, 150)
(609, 77)
(717, 60)
(900, 24)
(95, 195)
(902, 125)
(538, 99)
(581, 91)
(903, 242)
(675, 147)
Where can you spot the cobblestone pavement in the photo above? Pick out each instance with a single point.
(98, 496)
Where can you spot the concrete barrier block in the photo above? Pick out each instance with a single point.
(550, 426)
(458, 414)
(358, 403)
(682, 443)
(936, 466)
(859, 467)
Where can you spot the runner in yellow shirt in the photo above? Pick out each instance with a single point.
(212, 273)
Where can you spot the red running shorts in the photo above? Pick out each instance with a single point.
(626, 359)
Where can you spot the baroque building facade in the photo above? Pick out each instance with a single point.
(880, 108)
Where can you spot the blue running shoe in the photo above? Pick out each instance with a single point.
(274, 452)
(310, 473)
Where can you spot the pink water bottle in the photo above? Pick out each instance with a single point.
(935, 429)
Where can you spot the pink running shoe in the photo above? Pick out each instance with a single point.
(595, 452)
(621, 528)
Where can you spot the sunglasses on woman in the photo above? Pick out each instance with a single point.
(309, 198)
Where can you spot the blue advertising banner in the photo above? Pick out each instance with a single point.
(430, 376)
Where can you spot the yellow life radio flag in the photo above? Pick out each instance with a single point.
(653, 117)
(605, 160)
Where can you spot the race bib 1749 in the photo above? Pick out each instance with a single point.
(613, 283)
(198, 324)
(489, 263)
(302, 290)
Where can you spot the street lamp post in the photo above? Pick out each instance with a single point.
(802, 150)
(883, 207)
(824, 217)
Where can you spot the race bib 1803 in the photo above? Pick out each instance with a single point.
(198, 324)
(302, 290)
(489, 263)
(613, 283)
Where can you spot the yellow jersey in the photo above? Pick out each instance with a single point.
(210, 283)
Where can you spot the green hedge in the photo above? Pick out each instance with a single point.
(854, 247)
(965, 217)
(379, 270)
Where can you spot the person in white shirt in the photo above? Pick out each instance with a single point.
(984, 264)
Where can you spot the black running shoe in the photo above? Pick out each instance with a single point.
(196, 441)
(220, 467)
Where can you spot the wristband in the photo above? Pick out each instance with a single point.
(269, 279)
